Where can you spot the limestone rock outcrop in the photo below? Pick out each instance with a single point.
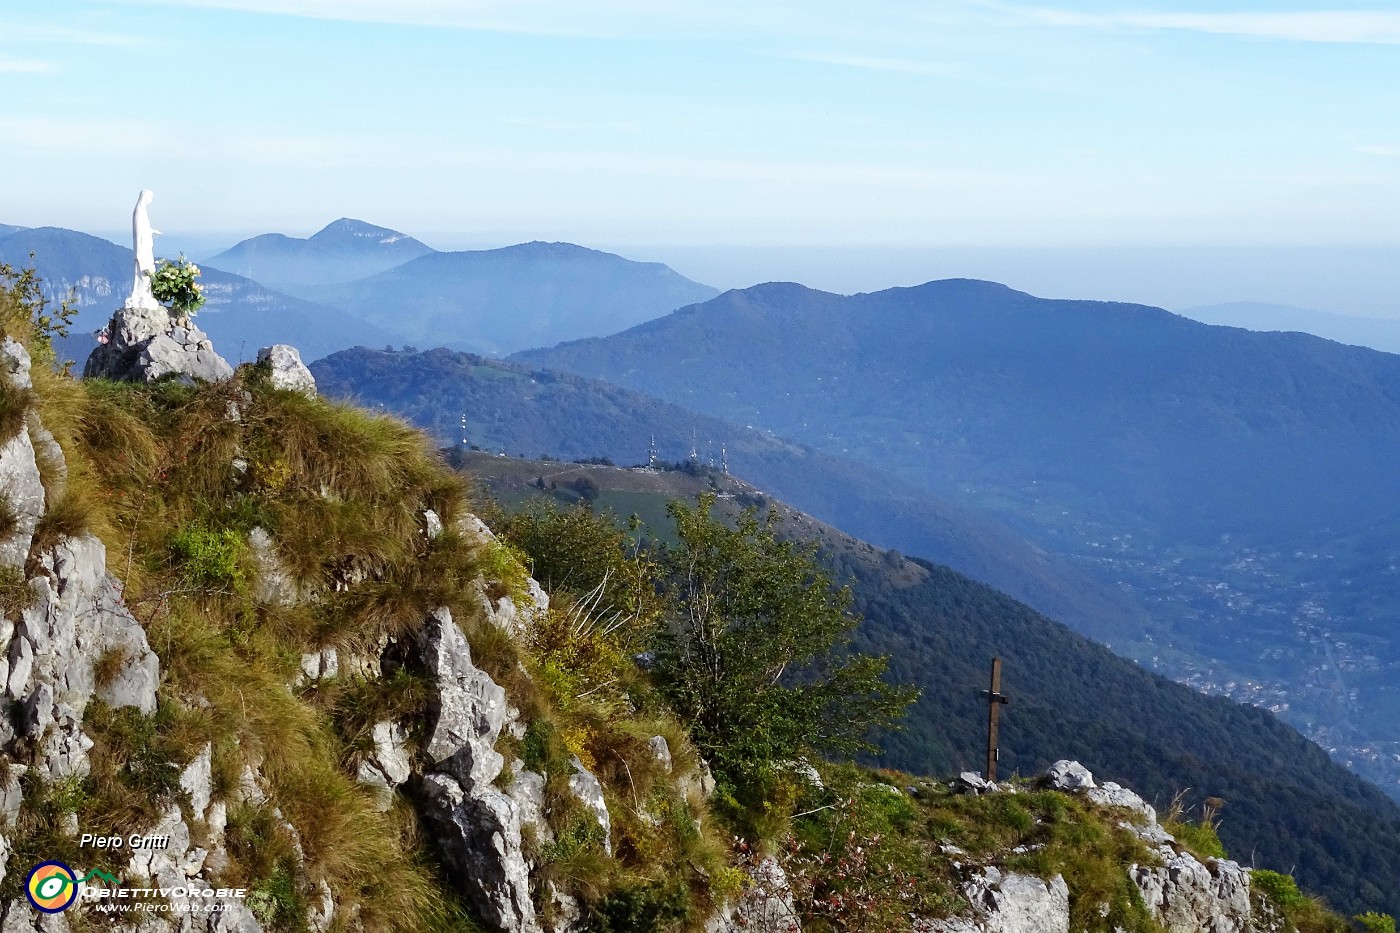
(1183, 893)
(1187, 896)
(1005, 902)
(766, 906)
(286, 370)
(146, 344)
(76, 642)
(478, 826)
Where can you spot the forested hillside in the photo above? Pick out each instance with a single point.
(531, 412)
(1287, 806)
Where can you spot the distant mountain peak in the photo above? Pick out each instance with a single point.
(348, 228)
(342, 251)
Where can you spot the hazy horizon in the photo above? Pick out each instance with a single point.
(1355, 282)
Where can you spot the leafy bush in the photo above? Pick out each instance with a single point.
(1372, 922)
(173, 283)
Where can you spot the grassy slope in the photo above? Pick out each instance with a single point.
(154, 472)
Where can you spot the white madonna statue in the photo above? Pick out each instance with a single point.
(143, 243)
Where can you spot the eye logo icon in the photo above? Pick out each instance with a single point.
(52, 887)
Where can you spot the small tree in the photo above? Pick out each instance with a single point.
(28, 316)
(754, 656)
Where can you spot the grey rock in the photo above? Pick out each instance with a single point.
(568, 912)
(589, 792)
(373, 780)
(766, 906)
(474, 531)
(143, 345)
(504, 612)
(11, 796)
(661, 752)
(197, 780)
(21, 918)
(472, 706)
(1008, 903)
(480, 839)
(388, 766)
(1187, 896)
(1110, 794)
(287, 370)
(391, 751)
(1068, 775)
(320, 665)
(970, 783)
(322, 911)
(803, 769)
(432, 524)
(76, 619)
(274, 586)
(249, 789)
(23, 490)
(527, 790)
(15, 363)
(48, 453)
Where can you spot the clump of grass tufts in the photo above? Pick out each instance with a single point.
(15, 594)
(1200, 836)
(15, 404)
(136, 765)
(1304, 914)
(71, 516)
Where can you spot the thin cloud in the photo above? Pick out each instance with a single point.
(876, 63)
(602, 18)
(25, 66)
(1367, 27)
(1389, 151)
(18, 31)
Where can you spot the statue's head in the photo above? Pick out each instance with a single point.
(146, 196)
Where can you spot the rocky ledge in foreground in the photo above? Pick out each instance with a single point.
(1184, 894)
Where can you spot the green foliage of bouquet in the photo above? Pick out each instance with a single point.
(174, 284)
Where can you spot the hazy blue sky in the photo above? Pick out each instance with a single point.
(647, 126)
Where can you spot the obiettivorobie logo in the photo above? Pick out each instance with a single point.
(52, 887)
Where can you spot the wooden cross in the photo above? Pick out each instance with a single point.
(995, 701)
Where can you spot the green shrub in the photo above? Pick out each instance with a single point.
(1281, 889)
(15, 594)
(642, 908)
(211, 558)
(1372, 922)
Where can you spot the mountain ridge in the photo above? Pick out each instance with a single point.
(539, 412)
(1239, 484)
(1382, 334)
(241, 315)
(498, 300)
